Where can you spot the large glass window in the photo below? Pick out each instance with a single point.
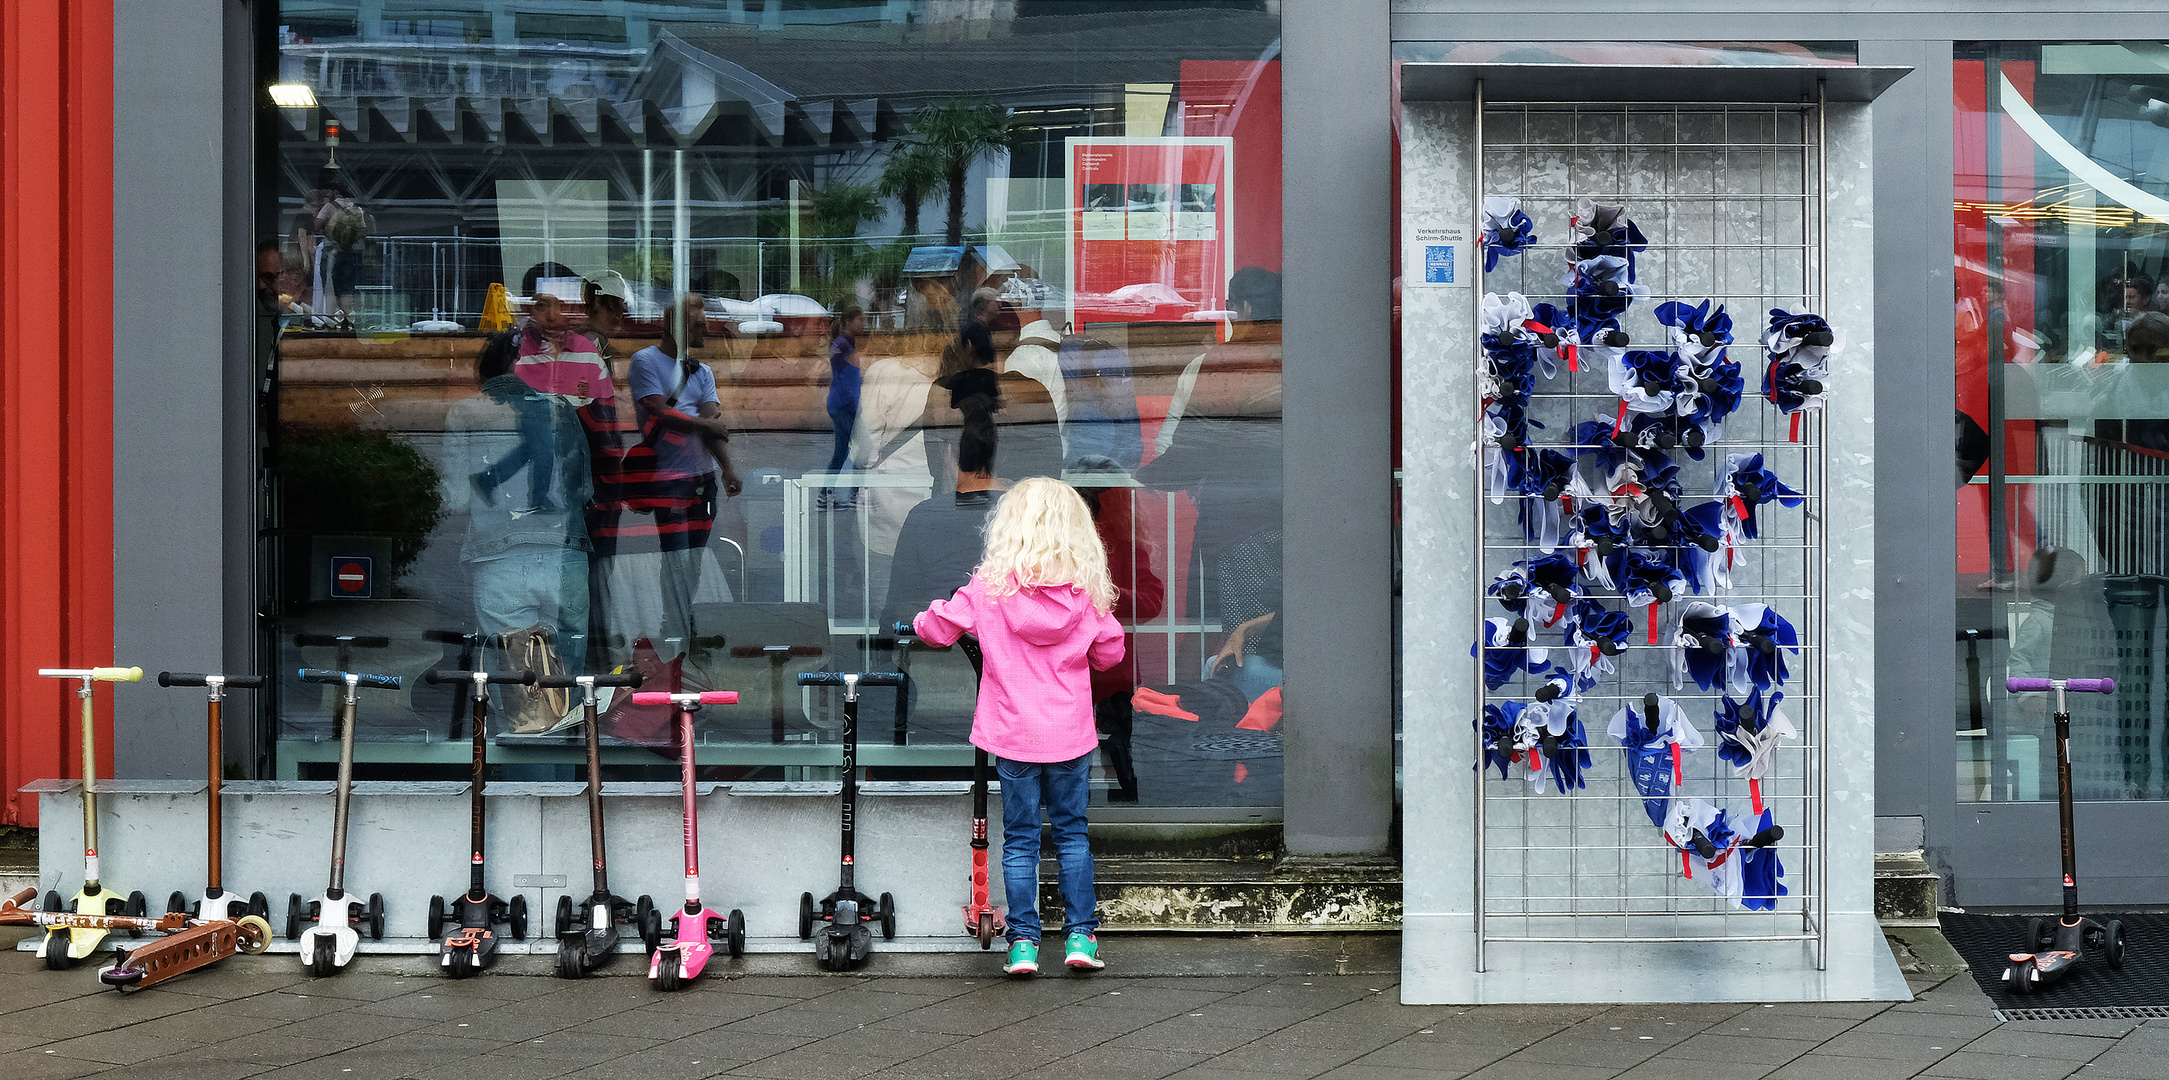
(2062, 365)
(699, 337)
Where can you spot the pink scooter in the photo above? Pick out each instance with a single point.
(692, 928)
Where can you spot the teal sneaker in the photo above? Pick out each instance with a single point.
(1023, 958)
(1084, 953)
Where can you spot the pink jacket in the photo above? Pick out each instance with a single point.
(1035, 703)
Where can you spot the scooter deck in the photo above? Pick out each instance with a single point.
(198, 946)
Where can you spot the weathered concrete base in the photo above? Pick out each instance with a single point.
(1906, 889)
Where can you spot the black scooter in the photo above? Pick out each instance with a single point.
(2054, 947)
(587, 933)
(472, 943)
(847, 938)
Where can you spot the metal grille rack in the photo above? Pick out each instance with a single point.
(1730, 197)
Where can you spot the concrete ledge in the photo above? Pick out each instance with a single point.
(1906, 889)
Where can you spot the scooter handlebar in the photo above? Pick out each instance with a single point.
(836, 678)
(705, 697)
(630, 678)
(2076, 686)
(434, 676)
(326, 675)
(96, 674)
(188, 678)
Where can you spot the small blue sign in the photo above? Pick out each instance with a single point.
(353, 577)
(1438, 264)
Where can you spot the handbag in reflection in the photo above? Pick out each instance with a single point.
(535, 710)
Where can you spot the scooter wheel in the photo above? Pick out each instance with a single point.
(2112, 944)
(376, 916)
(986, 929)
(436, 917)
(460, 968)
(53, 902)
(121, 977)
(293, 916)
(888, 917)
(519, 918)
(260, 906)
(176, 903)
(651, 930)
(564, 913)
(734, 932)
(139, 908)
(642, 908)
(805, 916)
(324, 961)
(56, 952)
(823, 955)
(666, 974)
(255, 934)
(2040, 933)
(572, 958)
(2025, 978)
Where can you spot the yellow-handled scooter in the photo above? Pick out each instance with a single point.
(65, 945)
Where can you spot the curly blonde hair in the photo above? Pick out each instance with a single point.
(1041, 535)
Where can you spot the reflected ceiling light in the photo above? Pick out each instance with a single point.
(293, 95)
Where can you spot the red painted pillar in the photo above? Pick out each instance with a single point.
(56, 401)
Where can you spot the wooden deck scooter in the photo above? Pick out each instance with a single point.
(63, 946)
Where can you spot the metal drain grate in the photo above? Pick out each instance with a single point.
(2106, 1012)
(2094, 992)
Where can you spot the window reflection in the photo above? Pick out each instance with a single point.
(699, 339)
(2063, 423)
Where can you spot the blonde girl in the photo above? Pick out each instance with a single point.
(1039, 604)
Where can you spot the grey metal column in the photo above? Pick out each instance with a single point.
(171, 269)
(1915, 574)
(1336, 169)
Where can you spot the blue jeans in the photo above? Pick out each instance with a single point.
(1064, 787)
(844, 417)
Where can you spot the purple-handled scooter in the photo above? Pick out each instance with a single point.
(2054, 947)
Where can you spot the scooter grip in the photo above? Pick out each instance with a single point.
(706, 697)
(181, 678)
(117, 674)
(651, 697)
(836, 678)
(904, 628)
(326, 675)
(719, 697)
(246, 682)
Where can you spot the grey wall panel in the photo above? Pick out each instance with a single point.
(1337, 162)
(169, 391)
(1916, 573)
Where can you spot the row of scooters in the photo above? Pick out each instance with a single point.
(328, 929)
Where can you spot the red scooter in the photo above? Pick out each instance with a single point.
(981, 918)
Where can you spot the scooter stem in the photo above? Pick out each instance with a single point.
(692, 823)
(216, 711)
(90, 792)
(2063, 806)
(589, 710)
(850, 777)
(347, 710)
(479, 710)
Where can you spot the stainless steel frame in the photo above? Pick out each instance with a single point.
(1732, 196)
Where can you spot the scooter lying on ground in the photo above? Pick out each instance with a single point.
(981, 918)
(587, 933)
(63, 947)
(471, 943)
(693, 927)
(191, 944)
(217, 903)
(329, 945)
(2054, 947)
(846, 939)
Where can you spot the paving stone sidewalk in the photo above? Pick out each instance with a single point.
(263, 1017)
